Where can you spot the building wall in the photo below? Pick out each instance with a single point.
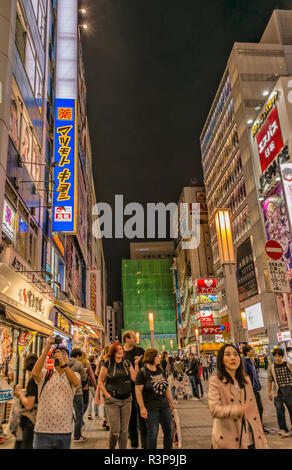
(251, 69)
(147, 287)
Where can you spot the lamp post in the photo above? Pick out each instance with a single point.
(227, 260)
(197, 342)
(138, 337)
(171, 346)
(151, 327)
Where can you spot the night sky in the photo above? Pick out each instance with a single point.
(152, 71)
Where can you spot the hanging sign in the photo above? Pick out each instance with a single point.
(284, 336)
(269, 140)
(211, 330)
(65, 173)
(206, 286)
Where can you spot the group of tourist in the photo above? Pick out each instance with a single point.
(134, 391)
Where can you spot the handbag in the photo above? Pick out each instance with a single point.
(6, 391)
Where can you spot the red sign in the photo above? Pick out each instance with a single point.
(269, 139)
(207, 320)
(206, 286)
(274, 250)
(211, 330)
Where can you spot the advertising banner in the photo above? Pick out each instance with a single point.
(286, 174)
(65, 173)
(8, 222)
(24, 341)
(206, 286)
(206, 319)
(246, 277)
(211, 330)
(269, 139)
(6, 347)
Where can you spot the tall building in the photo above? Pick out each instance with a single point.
(231, 182)
(147, 288)
(192, 263)
(52, 269)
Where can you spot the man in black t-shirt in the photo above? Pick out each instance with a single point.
(131, 352)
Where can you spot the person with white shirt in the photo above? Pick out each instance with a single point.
(54, 420)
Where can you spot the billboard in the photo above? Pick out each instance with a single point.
(254, 317)
(276, 222)
(65, 173)
(269, 139)
(286, 174)
(246, 276)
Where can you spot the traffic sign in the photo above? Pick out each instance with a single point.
(274, 250)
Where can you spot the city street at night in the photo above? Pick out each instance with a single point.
(146, 227)
(196, 426)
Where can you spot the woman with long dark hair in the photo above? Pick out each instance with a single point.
(29, 402)
(115, 383)
(237, 424)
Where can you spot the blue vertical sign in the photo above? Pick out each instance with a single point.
(65, 173)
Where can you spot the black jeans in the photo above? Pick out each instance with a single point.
(284, 397)
(85, 400)
(137, 422)
(27, 434)
(162, 416)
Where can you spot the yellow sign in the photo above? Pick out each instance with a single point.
(259, 122)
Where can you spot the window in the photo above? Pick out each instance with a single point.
(21, 244)
(20, 37)
(30, 61)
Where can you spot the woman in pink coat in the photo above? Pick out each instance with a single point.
(232, 404)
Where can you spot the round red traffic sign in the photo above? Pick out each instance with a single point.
(274, 250)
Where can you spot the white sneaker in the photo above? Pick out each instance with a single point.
(282, 432)
(82, 439)
(194, 398)
(286, 434)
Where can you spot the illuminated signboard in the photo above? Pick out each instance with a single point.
(269, 139)
(259, 122)
(206, 286)
(8, 222)
(286, 174)
(65, 173)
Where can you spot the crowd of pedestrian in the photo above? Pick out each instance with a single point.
(134, 391)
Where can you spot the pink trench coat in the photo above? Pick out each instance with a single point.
(222, 398)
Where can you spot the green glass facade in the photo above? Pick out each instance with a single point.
(148, 287)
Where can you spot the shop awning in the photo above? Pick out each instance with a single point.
(79, 314)
(21, 319)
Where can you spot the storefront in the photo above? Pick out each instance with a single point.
(80, 326)
(24, 322)
(63, 326)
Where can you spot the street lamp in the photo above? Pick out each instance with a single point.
(227, 260)
(197, 341)
(138, 337)
(151, 327)
(171, 346)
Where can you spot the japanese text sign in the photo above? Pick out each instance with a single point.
(206, 286)
(269, 140)
(65, 173)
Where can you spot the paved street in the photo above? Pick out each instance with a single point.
(196, 426)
